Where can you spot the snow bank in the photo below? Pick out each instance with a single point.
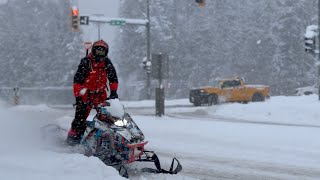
(52, 166)
(293, 110)
(23, 157)
(151, 103)
(300, 110)
(35, 109)
(2, 103)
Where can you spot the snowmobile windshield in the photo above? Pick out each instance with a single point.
(104, 114)
(116, 109)
(109, 119)
(113, 112)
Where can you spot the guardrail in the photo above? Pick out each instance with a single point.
(64, 95)
(37, 95)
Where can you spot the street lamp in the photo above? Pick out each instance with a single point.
(99, 24)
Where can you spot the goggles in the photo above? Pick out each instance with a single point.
(100, 51)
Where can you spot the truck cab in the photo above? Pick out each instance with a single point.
(228, 90)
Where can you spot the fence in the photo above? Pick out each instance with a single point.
(137, 90)
(33, 96)
(64, 95)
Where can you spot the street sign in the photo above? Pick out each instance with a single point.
(117, 22)
(87, 45)
(84, 20)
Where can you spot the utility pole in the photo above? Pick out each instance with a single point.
(312, 46)
(318, 63)
(160, 68)
(99, 25)
(148, 51)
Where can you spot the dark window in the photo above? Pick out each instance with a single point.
(236, 83)
(229, 84)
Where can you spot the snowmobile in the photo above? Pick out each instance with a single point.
(113, 137)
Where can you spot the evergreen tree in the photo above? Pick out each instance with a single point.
(38, 48)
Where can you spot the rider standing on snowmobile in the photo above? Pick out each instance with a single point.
(89, 87)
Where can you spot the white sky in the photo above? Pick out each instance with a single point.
(107, 7)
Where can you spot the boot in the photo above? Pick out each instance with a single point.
(73, 137)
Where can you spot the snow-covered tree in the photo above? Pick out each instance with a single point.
(37, 46)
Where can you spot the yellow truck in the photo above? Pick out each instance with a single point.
(228, 90)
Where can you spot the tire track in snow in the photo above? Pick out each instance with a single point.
(212, 168)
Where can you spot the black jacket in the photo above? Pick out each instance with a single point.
(84, 70)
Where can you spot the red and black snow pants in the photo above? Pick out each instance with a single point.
(83, 109)
(81, 114)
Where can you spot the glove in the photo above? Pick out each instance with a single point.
(83, 91)
(113, 95)
(79, 90)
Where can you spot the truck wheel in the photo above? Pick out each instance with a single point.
(212, 100)
(197, 103)
(257, 97)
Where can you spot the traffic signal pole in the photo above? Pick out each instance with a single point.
(99, 32)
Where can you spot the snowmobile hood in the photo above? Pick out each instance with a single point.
(116, 109)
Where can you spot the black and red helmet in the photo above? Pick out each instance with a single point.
(100, 49)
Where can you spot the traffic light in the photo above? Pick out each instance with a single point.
(74, 19)
(201, 3)
(309, 44)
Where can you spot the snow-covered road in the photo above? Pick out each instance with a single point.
(230, 141)
(237, 150)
